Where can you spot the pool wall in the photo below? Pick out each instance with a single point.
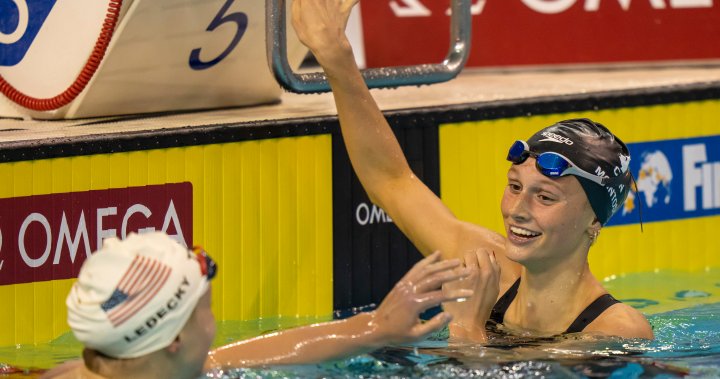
(277, 205)
(261, 208)
(680, 216)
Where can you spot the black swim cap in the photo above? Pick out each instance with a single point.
(592, 148)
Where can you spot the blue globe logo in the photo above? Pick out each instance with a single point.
(653, 182)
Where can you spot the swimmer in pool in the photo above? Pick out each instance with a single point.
(141, 308)
(563, 185)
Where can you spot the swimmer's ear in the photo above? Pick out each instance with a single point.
(174, 346)
(594, 230)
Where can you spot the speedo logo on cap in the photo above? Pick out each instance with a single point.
(552, 137)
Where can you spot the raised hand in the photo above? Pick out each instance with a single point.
(320, 25)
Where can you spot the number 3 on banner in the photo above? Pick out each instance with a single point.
(239, 18)
(22, 24)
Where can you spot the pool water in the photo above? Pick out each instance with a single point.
(687, 344)
(683, 308)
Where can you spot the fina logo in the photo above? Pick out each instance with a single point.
(653, 182)
(676, 179)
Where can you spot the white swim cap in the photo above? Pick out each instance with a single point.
(133, 297)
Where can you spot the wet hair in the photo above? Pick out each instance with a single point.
(592, 148)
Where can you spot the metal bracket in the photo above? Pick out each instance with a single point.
(276, 45)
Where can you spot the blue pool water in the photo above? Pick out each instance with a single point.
(687, 344)
(684, 310)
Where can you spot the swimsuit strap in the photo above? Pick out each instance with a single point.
(590, 313)
(498, 312)
(595, 309)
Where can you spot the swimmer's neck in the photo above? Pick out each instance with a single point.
(159, 364)
(549, 300)
(555, 275)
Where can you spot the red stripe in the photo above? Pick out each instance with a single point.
(146, 278)
(143, 273)
(140, 271)
(142, 300)
(135, 271)
(127, 273)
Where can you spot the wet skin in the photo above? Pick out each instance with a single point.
(546, 220)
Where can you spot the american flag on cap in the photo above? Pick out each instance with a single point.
(141, 282)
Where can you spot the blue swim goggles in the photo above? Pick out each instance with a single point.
(551, 164)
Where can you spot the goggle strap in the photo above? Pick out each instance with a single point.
(201, 259)
(639, 200)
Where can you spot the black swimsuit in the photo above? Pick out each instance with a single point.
(587, 316)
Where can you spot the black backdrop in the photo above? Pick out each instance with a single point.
(370, 254)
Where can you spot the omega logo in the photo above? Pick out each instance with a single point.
(371, 214)
(47, 237)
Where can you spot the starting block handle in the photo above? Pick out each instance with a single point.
(276, 45)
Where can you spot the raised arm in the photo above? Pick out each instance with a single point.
(395, 321)
(373, 149)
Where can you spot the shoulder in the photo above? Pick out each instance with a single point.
(67, 370)
(71, 370)
(472, 237)
(621, 320)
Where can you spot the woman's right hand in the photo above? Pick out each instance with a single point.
(396, 319)
(469, 317)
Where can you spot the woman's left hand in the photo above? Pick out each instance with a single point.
(470, 316)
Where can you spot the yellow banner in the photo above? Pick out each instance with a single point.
(262, 209)
(473, 176)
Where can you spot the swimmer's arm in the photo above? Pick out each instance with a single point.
(371, 144)
(621, 320)
(308, 344)
(374, 151)
(395, 321)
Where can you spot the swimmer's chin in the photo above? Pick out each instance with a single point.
(516, 248)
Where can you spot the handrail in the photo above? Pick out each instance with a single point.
(276, 45)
